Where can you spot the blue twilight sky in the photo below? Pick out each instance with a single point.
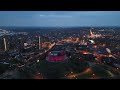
(59, 18)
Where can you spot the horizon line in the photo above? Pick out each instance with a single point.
(61, 26)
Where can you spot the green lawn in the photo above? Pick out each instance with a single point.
(52, 70)
(59, 69)
(107, 67)
(99, 71)
(55, 70)
(3, 68)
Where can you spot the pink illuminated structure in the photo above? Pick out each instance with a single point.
(56, 56)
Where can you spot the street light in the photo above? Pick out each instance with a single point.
(38, 61)
(38, 73)
(71, 72)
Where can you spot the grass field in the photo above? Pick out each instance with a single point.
(55, 70)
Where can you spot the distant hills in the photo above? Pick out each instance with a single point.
(31, 28)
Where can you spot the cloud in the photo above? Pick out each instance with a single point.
(41, 15)
(54, 15)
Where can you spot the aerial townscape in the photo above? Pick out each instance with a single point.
(71, 52)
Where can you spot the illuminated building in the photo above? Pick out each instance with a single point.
(56, 56)
(46, 45)
(92, 35)
(77, 40)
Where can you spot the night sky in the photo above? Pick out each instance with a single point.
(59, 18)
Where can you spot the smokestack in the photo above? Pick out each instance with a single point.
(5, 46)
(39, 43)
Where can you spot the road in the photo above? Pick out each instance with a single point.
(74, 76)
(104, 71)
(34, 59)
(95, 71)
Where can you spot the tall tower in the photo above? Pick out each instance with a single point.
(5, 46)
(39, 43)
(91, 34)
(21, 45)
